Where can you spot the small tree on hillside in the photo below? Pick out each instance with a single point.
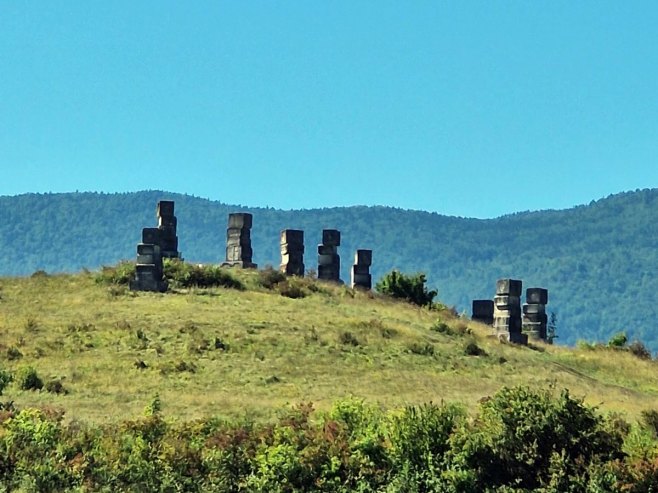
(408, 287)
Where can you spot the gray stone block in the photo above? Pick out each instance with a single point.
(361, 280)
(333, 259)
(530, 309)
(147, 249)
(168, 223)
(292, 237)
(240, 233)
(361, 269)
(292, 248)
(151, 235)
(329, 272)
(483, 308)
(511, 287)
(504, 301)
(536, 296)
(165, 208)
(536, 318)
(331, 237)
(327, 250)
(240, 220)
(363, 257)
(238, 253)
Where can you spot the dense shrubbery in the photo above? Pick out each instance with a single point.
(407, 287)
(179, 274)
(519, 440)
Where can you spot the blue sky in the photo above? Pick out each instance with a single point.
(464, 108)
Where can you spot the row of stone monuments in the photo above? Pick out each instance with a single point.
(162, 242)
(510, 320)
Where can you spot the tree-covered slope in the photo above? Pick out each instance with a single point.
(598, 260)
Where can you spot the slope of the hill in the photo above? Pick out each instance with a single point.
(597, 260)
(228, 352)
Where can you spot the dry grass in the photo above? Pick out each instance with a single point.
(278, 351)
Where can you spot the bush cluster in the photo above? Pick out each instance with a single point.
(519, 440)
(407, 287)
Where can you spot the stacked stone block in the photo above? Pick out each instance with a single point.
(534, 313)
(292, 252)
(483, 311)
(148, 271)
(507, 311)
(328, 258)
(238, 241)
(167, 224)
(360, 275)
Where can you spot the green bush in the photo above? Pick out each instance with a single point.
(122, 273)
(5, 379)
(407, 287)
(27, 378)
(618, 340)
(269, 278)
(181, 274)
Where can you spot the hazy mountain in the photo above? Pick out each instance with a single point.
(598, 261)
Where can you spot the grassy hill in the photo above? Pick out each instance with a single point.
(596, 260)
(231, 352)
(296, 385)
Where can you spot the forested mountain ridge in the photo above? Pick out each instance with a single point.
(598, 261)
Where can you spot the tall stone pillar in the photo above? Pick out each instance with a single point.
(360, 274)
(238, 241)
(507, 311)
(534, 313)
(167, 224)
(328, 258)
(292, 252)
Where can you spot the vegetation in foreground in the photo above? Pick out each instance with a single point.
(219, 356)
(519, 440)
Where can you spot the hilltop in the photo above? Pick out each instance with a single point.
(255, 349)
(596, 260)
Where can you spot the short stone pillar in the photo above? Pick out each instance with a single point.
(148, 269)
(483, 311)
(507, 311)
(328, 258)
(292, 252)
(534, 313)
(360, 275)
(238, 241)
(167, 224)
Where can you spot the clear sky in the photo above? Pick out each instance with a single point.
(464, 108)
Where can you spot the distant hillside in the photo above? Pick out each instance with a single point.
(598, 261)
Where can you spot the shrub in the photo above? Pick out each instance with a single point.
(425, 349)
(472, 349)
(184, 275)
(5, 379)
(122, 273)
(292, 288)
(27, 378)
(618, 340)
(407, 287)
(269, 278)
(55, 387)
(348, 339)
(13, 353)
(639, 350)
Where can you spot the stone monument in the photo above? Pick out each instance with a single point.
(167, 224)
(238, 241)
(507, 311)
(148, 269)
(328, 258)
(534, 313)
(292, 252)
(360, 274)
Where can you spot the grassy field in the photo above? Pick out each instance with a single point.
(231, 353)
